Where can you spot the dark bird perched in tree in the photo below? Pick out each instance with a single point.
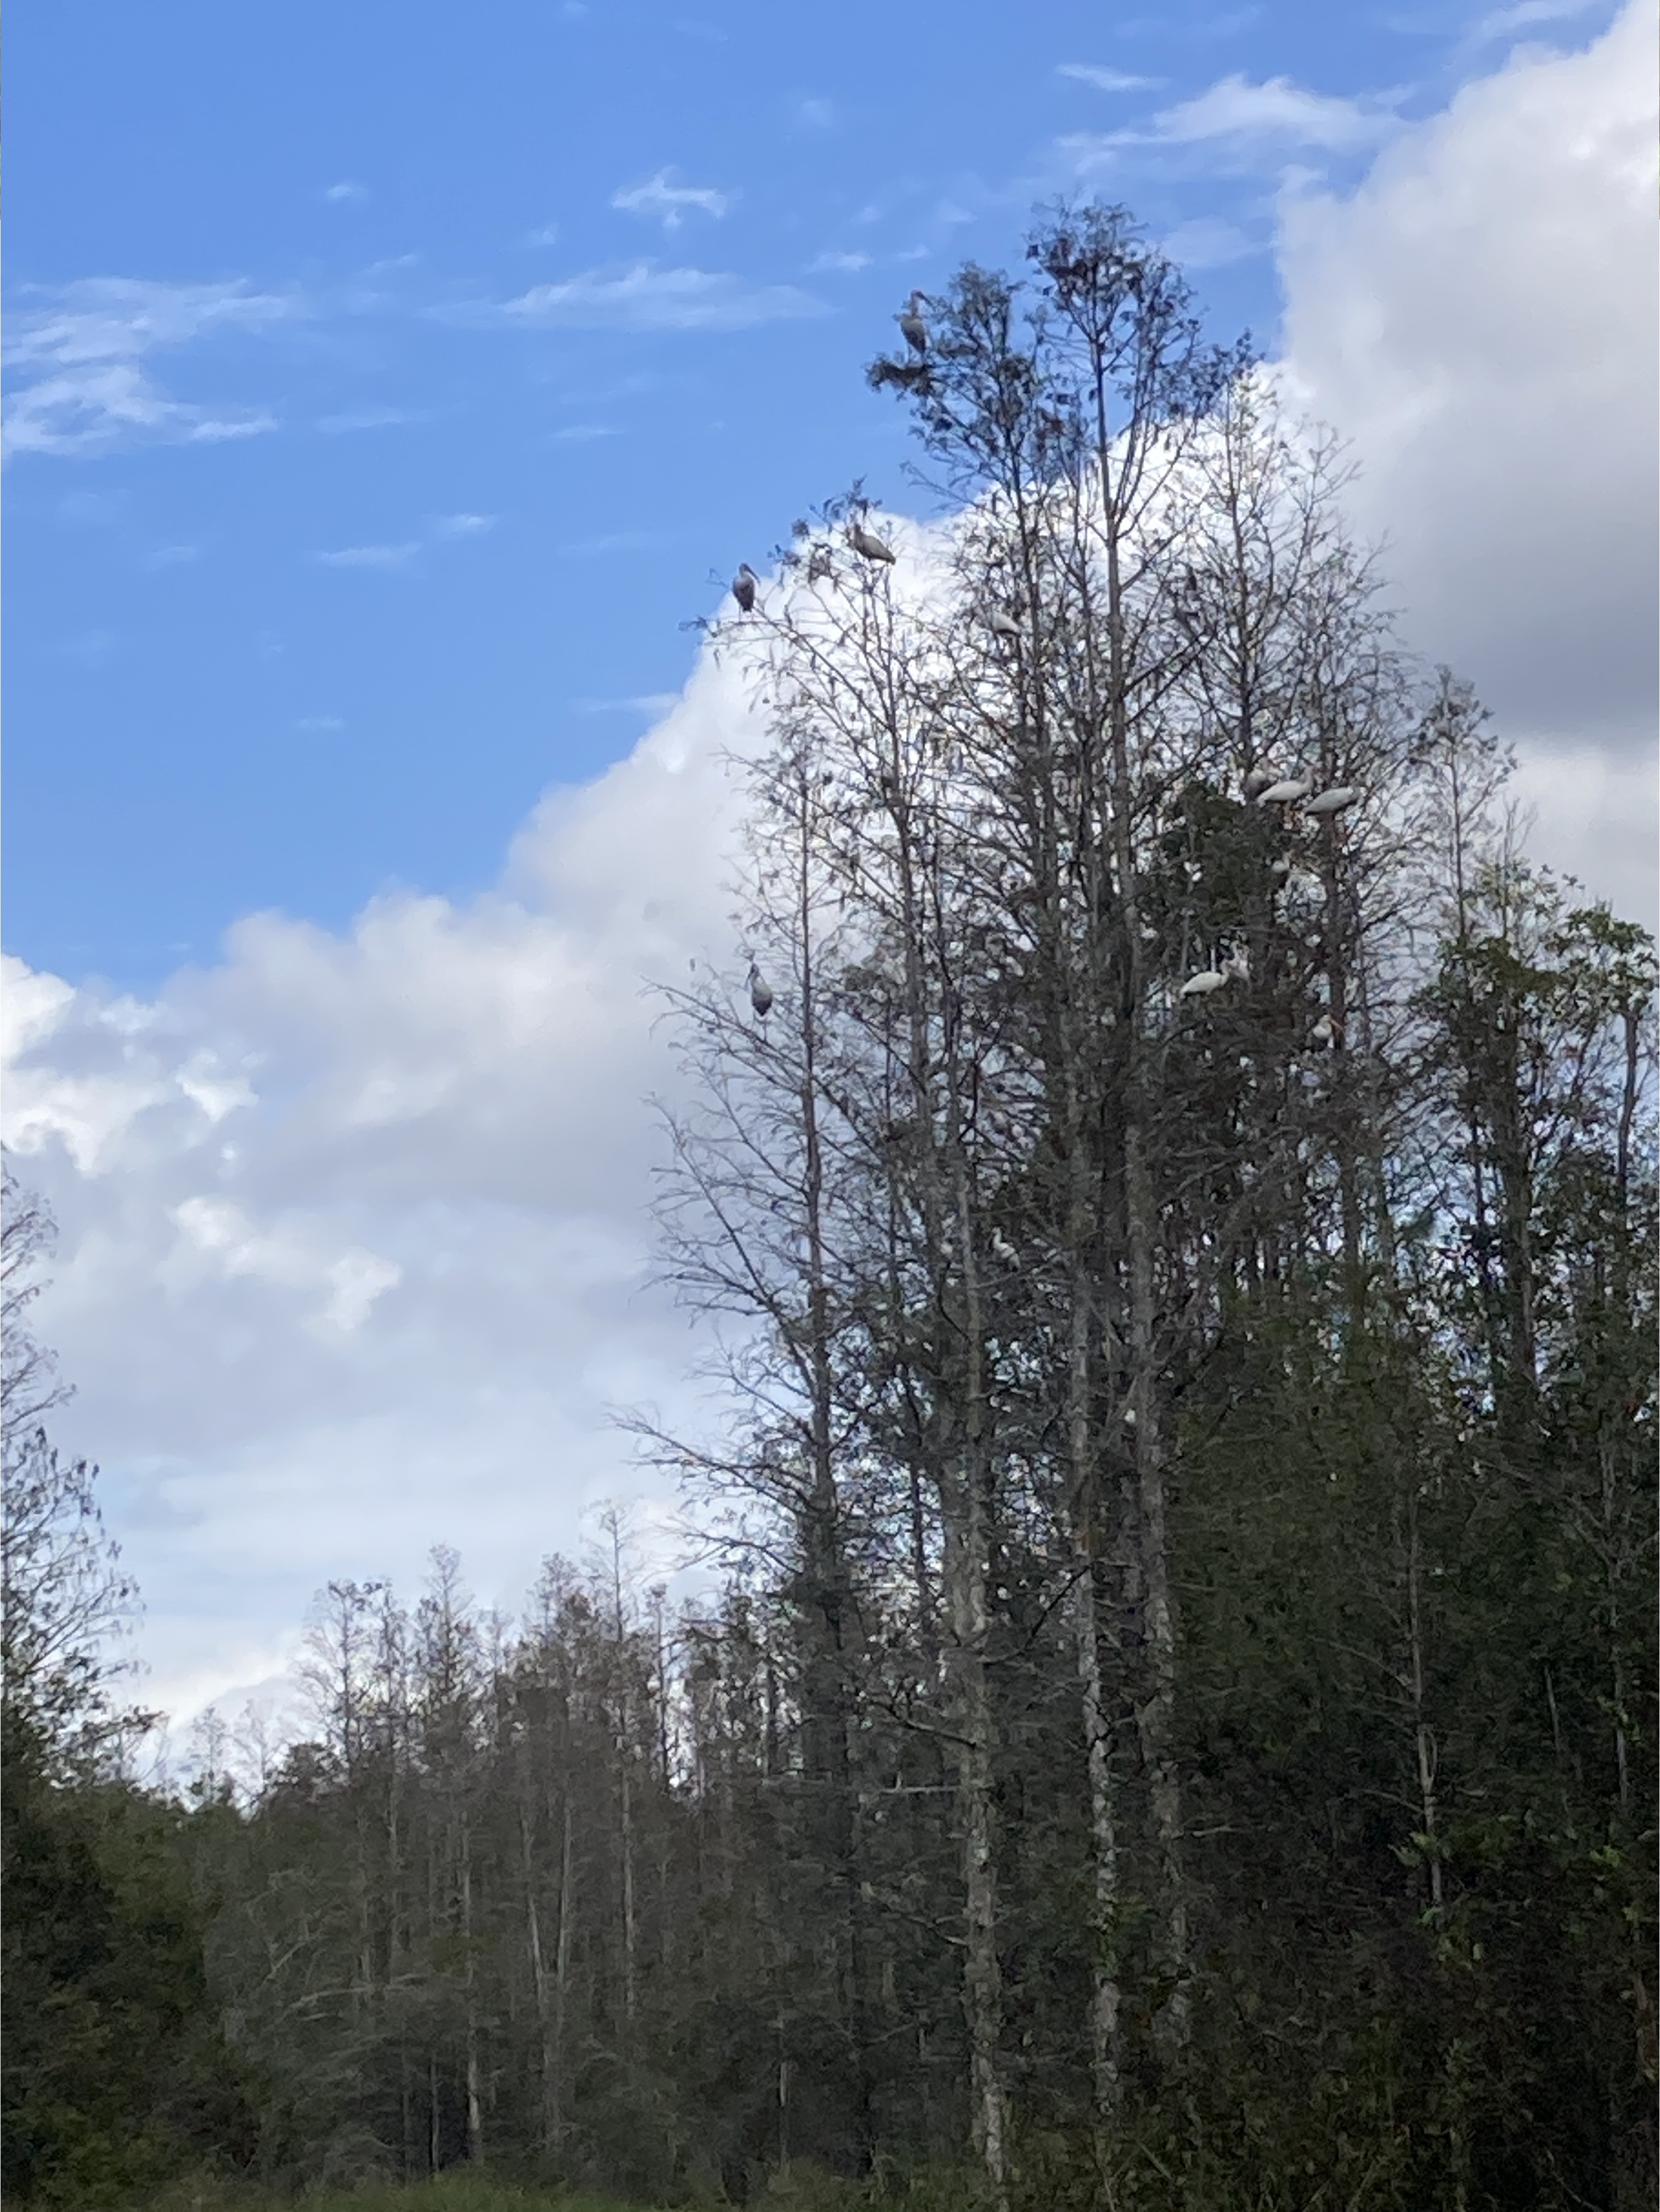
(743, 587)
(760, 992)
(914, 328)
(864, 543)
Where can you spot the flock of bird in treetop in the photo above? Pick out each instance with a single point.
(1262, 785)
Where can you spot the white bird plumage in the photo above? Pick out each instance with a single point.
(1334, 800)
(868, 544)
(1288, 789)
(1201, 985)
(1002, 625)
(1257, 782)
(760, 992)
(912, 328)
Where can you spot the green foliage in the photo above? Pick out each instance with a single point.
(114, 2074)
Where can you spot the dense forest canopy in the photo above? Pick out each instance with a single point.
(1172, 1192)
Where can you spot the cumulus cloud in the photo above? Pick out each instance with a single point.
(354, 1253)
(1479, 317)
(647, 297)
(659, 196)
(79, 385)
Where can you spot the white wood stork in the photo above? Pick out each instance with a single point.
(913, 329)
(869, 546)
(1286, 790)
(745, 585)
(1201, 985)
(1003, 625)
(1257, 782)
(760, 992)
(1334, 800)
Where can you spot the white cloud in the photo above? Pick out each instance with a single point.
(119, 318)
(81, 355)
(464, 526)
(1479, 318)
(1524, 15)
(355, 1247)
(647, 297)
(368, 418)
(1106, 80)
(839, 264)
(1276, 109)
(354, 1255)
(371, 557)
(1207, 242)
(346, 191)
(669, 202)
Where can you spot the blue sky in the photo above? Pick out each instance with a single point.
(387, 387)
(371, 441)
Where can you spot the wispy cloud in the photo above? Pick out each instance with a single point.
(661, 196)
(582, 433)
(173, 557)
(1209, 242)
(371, 557)
(616, 541)
(1245, 122)
(81, 353)
(402, 555)
(1107, 80)
(645, 297)
(838, 264)
(119, 318)
(368, 418)
(345, 192)
(1277, 108)
(646, 703)
(1521, 16)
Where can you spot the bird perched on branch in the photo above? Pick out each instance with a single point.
(1257, 782)
(1201, 985)
(744, 584)
(912, 328)
(866, 544)
(1334, 800)
(1286, 790)
(760, 992)
(1003, 625)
